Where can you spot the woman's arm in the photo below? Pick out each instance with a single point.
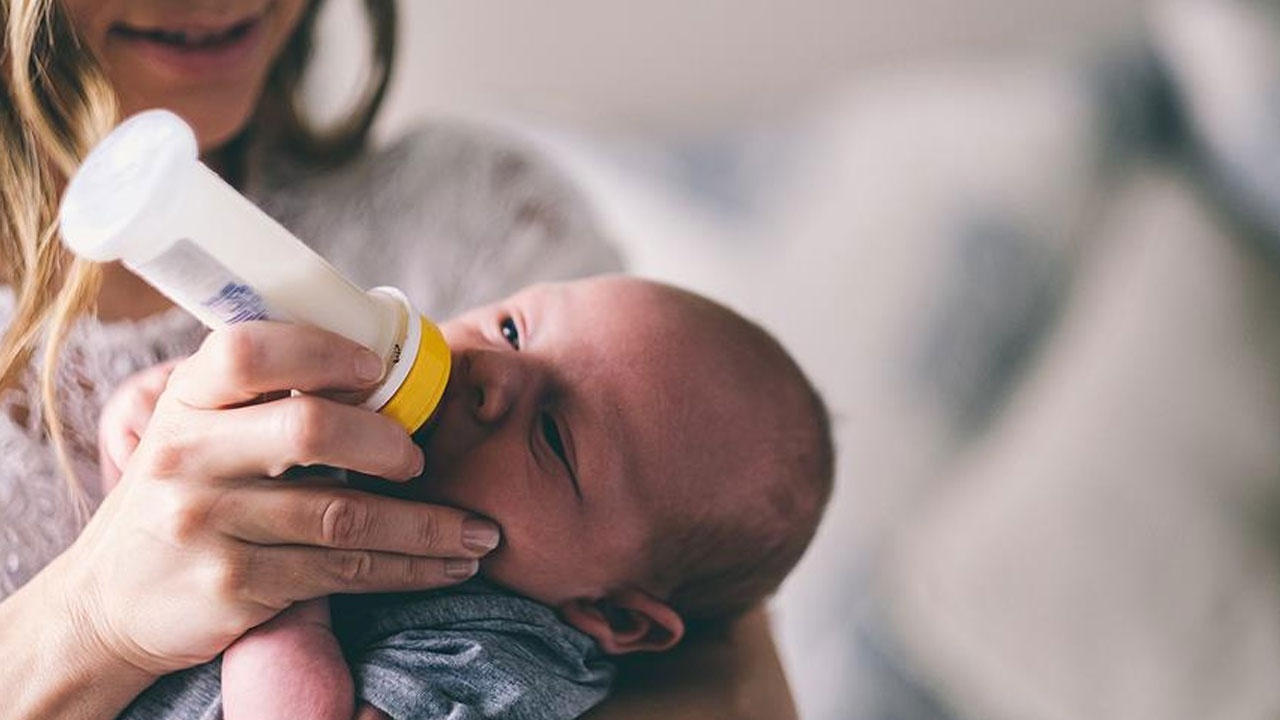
(201, 540)
(53, 665)
(736, 676)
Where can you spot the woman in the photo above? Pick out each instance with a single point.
(164, 576)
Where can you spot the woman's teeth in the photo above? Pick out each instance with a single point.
(191, 38)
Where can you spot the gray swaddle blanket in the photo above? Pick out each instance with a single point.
(465, 653)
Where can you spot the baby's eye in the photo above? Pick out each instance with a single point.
(551, 433)
(509, 332)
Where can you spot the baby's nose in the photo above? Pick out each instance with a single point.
(497, 384)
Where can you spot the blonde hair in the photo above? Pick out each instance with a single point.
(55, 103)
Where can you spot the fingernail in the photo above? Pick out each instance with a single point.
(368, 366)
(460, 568)
(420, 463)
(480, 535)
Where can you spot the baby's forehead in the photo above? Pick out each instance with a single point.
(615, 290)
(651, 323)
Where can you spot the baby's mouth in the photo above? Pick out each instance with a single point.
(422, 436)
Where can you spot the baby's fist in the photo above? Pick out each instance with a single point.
(125, 417)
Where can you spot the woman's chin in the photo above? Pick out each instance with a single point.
(213, 132)
(215, 121)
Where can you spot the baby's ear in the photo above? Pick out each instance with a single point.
(626, 621)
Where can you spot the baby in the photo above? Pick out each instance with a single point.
(656, 463)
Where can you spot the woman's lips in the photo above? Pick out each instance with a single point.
(192, 49)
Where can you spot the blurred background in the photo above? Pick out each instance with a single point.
(1025, 248)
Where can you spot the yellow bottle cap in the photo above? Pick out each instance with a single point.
(417, 367)
(423, 386)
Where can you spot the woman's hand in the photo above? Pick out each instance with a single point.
(200, 541)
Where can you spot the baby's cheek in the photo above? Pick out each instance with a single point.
(503, 567)
(535, 569)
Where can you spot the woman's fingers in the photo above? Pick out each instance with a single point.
(238, 364)
(207, 408)
(269, 438)
(342, 519)
(278, 575)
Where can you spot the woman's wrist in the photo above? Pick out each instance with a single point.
(56, 664)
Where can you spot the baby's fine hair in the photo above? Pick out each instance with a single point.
(718, 560)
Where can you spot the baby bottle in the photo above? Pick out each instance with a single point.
(143, 197)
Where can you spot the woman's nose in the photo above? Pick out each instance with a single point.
(498, 381)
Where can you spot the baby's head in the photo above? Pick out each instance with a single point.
(653, 459)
